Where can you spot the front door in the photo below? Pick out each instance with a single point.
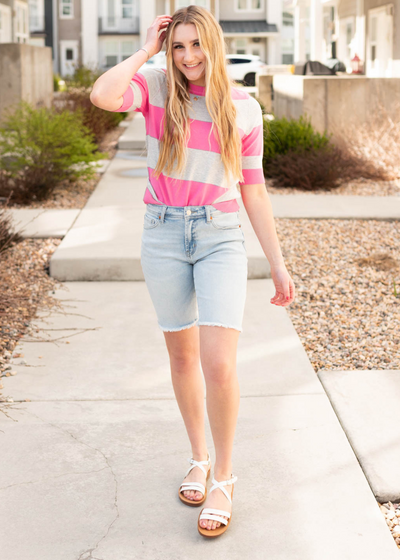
(69, 57)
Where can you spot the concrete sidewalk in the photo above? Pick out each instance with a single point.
(94, 461)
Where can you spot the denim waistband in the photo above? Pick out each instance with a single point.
(160, 210)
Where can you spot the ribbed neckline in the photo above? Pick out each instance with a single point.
(197, 90)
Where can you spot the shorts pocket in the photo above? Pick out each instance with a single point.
(150, 221)
(226, 220)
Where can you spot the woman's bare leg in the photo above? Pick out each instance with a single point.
(184, 353)
(218, 353)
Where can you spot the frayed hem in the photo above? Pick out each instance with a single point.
(219, 325)
(179, 328)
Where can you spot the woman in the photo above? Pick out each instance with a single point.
(204, 136)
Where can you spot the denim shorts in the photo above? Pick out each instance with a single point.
(195, 265)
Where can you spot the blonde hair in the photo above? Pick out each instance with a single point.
(218, 97)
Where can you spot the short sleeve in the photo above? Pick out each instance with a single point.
(253, 149)
(136, 97)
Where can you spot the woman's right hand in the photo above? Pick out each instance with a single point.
(154, 42)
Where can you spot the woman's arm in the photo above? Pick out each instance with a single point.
(258, 207)
(108, 89)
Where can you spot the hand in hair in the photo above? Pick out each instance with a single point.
(154, 41)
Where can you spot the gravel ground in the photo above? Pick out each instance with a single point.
(25, 288)
(345, 311)
(392, 517)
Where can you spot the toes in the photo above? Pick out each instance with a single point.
(198, 496)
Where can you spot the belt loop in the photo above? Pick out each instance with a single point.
(208, 213)
(163, 209)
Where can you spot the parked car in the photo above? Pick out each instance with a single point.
(241, 67)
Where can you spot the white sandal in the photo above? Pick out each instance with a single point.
(196, 486)
(214, 514)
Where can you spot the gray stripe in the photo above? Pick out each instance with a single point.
(202, 166)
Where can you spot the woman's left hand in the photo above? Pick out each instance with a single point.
(284, 286)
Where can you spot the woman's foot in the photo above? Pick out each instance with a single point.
(196, 475)
(217, 500)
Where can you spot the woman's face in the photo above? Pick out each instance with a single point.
(187, 54)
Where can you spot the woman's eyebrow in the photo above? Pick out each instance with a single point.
(179, 43)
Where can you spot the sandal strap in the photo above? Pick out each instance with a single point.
(216, 512)
(197, 486)
(221, 485)
(198, 464)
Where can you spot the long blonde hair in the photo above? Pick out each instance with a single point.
(218, 97)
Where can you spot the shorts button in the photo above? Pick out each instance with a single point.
(188, 212)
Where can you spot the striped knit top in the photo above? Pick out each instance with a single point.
(203, 181)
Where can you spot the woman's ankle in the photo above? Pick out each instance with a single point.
(200, 455)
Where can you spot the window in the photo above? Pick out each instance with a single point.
(116, 51)
(249, 5)
(287, 18)
(5, 24)
(69, 54)
(127, 8)
(21, 22)
(184, 3)
(66, 9)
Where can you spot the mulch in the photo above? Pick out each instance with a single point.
(25, 288)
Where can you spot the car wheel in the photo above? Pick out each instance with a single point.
(250, 80)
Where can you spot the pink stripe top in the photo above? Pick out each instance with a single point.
(203, 181)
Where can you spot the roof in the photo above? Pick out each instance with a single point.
(248, 27)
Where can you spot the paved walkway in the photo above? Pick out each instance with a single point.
(94, 461)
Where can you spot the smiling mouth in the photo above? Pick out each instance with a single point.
(191, 66)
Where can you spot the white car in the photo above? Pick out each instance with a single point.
(241, 67)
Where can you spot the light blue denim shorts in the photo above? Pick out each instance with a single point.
(195, 266)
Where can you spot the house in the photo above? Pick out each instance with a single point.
(14, 22)
(105, 32)
(341, 29)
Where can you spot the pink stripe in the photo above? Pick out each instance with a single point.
(253, 177)
(176, 192)
(127, 101)
(227, 206)
(199, 131)
(252, 144)
(141, 81)
(154, 123)
(239, 94)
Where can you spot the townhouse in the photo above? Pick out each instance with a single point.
(105, 32)
(341, 29)
(14, 21)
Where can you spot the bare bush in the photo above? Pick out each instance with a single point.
(378, 140)
(7, 234)
(323, 169)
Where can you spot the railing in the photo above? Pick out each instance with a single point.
(111, 24)
(36, 24)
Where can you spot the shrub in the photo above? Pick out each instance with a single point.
(96, 120)
(7, 234)
(39, 148)
(282, 136)
(320, 168)
(83, 77)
